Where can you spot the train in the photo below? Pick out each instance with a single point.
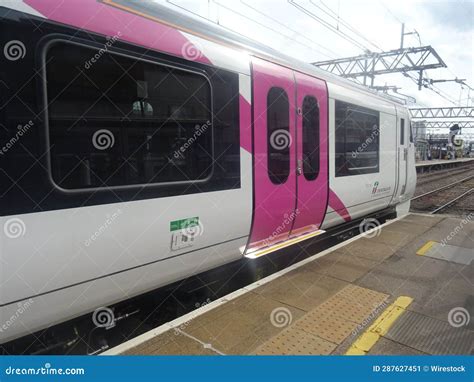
(141, 146)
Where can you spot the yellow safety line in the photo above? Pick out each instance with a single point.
(380, 326)
(422, 251)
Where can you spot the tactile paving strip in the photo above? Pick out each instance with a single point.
(361, 295)
(329, 325)
(294, 341)
(355, 302)
(320, 330)
(430, 335)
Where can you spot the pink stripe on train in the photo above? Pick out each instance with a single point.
(245, 125)
(104, 19)
(338, 206)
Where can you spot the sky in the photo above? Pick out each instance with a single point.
(446, 25)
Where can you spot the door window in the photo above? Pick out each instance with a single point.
(278, 135)
(310, 138)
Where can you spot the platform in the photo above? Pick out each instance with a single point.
(427, 165)
(387, 292)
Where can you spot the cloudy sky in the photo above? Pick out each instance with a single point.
(446, 25)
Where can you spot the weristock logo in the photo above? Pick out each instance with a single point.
(103, 317)
(281, 317)
(458, 317)
(110, 41)
(191, 51)
(370, 228)
(103, 139)
(14, 228)
(280, 139)
(14, 50)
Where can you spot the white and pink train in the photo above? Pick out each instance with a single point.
(141, 146)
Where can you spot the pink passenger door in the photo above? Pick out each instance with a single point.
(312, 154)
(274, 134)
(290, 156)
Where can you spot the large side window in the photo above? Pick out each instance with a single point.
(310, 138)
(357, 140)
(120, 121)
(278, 135)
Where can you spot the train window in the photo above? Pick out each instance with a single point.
(278, 135)
(310, 138)
(120, 121)
(357, 140)
(402, 131)
(411, 132)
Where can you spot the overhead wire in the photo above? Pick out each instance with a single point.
(333, 15)
(288, 28)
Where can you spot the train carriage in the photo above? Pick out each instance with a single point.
(141, 146)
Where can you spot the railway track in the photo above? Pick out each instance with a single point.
(441, 174)
(445, 197)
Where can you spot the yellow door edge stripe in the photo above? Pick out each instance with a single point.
(284, 244)
(380, 326)
(425, 248)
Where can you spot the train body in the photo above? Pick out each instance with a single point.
(140, 147)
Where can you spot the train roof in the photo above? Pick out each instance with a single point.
(202, 27)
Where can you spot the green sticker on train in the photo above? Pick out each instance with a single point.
(176, 225)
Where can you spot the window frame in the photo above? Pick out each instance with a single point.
(95, 46)
(348, 106)
(318, 140)
(268, 136)
(402, 131)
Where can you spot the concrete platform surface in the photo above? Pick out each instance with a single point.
(442, 161)
(344, 300)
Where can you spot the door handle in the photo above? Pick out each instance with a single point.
(299, 167)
